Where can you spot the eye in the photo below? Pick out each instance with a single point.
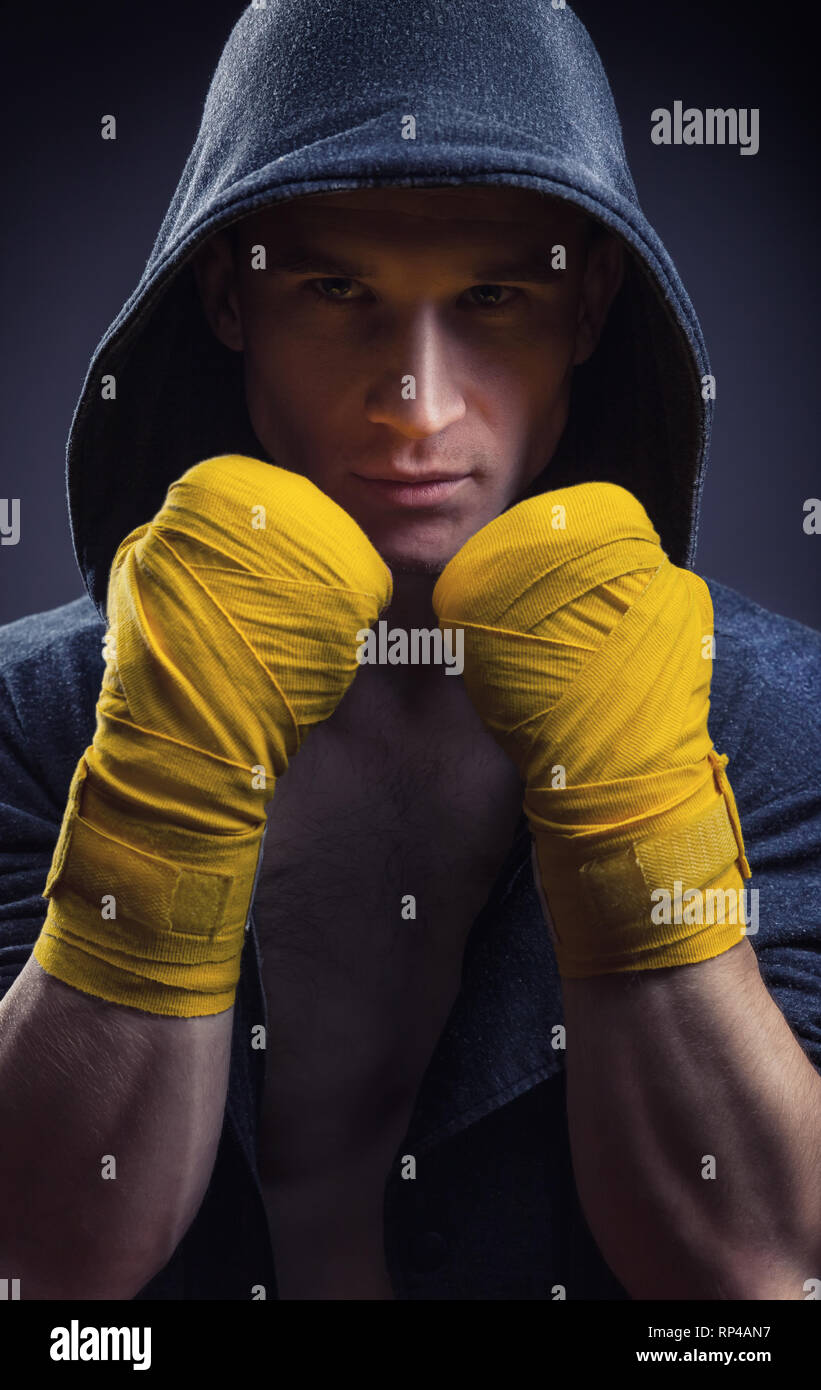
(497, 290)
(338, 289)
(324, 288)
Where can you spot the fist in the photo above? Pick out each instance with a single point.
(566, 658)
(233, 613)
(589, 655)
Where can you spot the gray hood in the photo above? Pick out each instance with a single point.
(308, 97)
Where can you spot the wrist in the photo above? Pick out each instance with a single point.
(662, 891)
(159, 928)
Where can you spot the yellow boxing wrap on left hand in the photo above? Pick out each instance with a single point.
(228, 641)
(588, 656)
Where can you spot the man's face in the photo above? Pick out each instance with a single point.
(411, 350)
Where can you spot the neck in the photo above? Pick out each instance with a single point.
(412, 601)
(414, 686)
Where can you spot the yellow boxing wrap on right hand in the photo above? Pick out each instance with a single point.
(232, 622)
(588, 656)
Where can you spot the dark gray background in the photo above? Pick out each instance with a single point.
(81, 215)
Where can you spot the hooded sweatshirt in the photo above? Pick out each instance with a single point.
(317, 96)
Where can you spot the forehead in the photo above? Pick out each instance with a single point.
(474, 211)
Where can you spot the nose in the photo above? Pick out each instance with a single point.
(415, 389)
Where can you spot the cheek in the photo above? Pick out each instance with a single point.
(292, 403)
(282, 382)
(287, 362)
(532, 360)
(523, 389)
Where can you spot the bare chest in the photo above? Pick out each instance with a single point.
(375, 867)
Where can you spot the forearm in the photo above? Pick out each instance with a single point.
(81, 1079)
(664, 1068)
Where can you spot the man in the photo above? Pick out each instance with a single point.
(383, 1112)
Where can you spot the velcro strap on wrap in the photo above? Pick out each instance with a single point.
(609, 900)
(162, 919)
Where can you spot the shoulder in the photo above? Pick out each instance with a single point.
(51, 668)
(766, 691)
(40, 636)
(765, 713)
(772, 641)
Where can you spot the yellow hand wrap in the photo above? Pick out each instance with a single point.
(232, 631)
(588, 656)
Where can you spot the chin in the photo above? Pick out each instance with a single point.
(414, 554)
(423, 545)
(404, 564)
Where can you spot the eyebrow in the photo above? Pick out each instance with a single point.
(304, 260)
